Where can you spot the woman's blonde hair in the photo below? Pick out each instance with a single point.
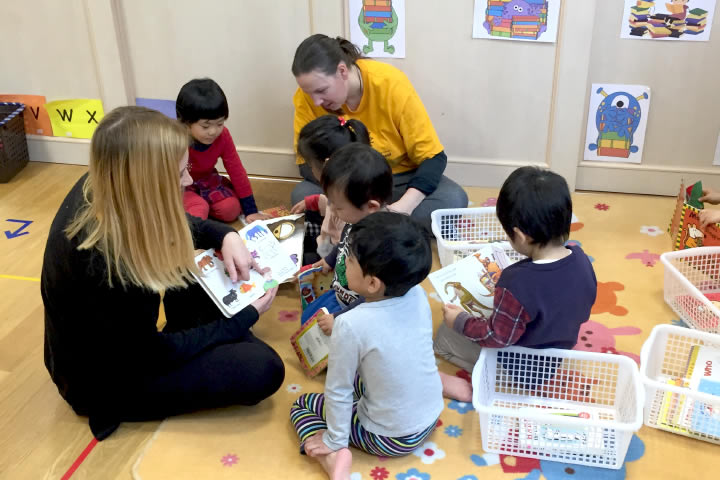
(133, 213)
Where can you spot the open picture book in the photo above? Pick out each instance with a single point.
(266, 250)
(685, 229)
(470, 282)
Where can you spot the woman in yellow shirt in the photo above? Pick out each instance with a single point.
(333, 77)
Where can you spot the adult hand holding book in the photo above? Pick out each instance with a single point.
(237, 258)
(263, 303)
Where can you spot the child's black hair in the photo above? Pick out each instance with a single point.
(394, 248)
(321, 137)
(359, 171)
(538, 203)
(201, 98)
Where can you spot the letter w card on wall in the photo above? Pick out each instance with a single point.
(470, 283)
(75, 118)
(311, 345)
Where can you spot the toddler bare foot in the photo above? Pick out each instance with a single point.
(337, 464)
(456, 388)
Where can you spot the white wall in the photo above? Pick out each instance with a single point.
(496, 105)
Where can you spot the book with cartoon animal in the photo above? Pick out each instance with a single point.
(685, 230)
(470, 283)
(232, 297)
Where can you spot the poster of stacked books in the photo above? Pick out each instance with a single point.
(524, 20)
(688, 20)
(377, 27)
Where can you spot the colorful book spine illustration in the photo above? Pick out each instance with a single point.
(513, 19)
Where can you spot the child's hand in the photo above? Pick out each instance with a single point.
(257, 216)
(315, 447)
(450, 313)
(322, 204)
(326, 323)
(322, 263)
(710, 196)
(299, 207)
(709, 216)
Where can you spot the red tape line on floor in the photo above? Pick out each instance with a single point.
(81, 458)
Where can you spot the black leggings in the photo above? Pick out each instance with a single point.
(240, 373)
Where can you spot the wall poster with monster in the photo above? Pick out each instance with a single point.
(378, 27)
(688, 20)
(525, 20)
(617, 119)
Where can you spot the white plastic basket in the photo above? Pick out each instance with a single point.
(689, 275)
(462, 231)
(664, 356)
(559, 405)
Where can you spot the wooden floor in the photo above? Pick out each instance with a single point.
(40, 436)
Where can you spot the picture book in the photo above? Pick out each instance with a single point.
(705, 378)
(311, 345)
(313, 283)
(289, 230)
(680, 413)
(229, 297)
(685, 230)
(470, 283)
(232, 297)
(274, 212)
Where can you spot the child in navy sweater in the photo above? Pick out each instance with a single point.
(539, 302)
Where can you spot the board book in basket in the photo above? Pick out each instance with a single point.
(685, 229)
(681, 414)
(232, 297)
(311, 345)
(470, 283)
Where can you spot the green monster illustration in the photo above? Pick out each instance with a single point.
(378, 32)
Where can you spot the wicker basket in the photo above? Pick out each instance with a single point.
(13, 144)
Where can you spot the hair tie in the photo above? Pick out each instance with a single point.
(342, 121)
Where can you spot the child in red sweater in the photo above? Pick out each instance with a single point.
(202, 106)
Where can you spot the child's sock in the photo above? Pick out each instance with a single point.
(456, 388)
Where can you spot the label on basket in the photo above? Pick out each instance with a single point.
(470, 283)
(540, 435)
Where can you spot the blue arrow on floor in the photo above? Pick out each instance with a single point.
(19, 232)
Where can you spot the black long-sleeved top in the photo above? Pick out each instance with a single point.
(100, 340)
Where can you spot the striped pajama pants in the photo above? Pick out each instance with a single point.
(308, 416)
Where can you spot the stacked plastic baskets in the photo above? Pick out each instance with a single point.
(13, 145)
(560, 405)
(673, 403)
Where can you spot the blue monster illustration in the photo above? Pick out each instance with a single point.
(617, 118)
(256, 232)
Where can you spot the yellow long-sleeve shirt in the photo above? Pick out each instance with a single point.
(400, 128)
